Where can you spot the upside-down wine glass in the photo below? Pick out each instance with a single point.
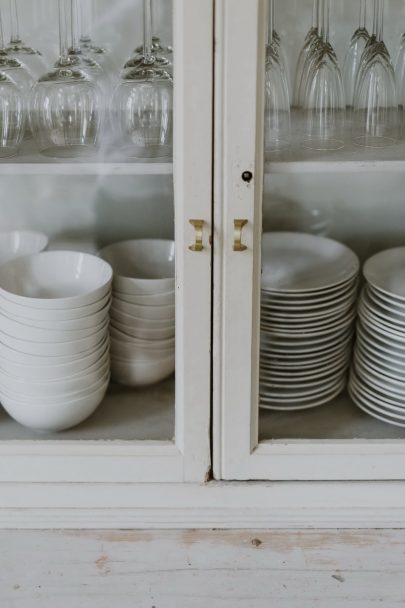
(142, 104)
(274, 43)
(13, 67)
(17, 48)
(12, 117)
(324, 103)
(305, 56)
(65, 106)
(158, 48)
(358, 43)
(277, 129)
(376, 116)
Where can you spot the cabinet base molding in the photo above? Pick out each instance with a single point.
(244, 505)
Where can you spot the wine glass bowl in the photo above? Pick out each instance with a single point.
(354, 55)
(12, 117)
(142, 113)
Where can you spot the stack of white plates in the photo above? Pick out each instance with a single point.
(309, 291)
(143, 311)
(377, 381)
(54, 359)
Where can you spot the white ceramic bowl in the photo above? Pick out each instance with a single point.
(64, 387)
(54, 349)
(141, 374)
(87, 322)
(131, 321)
(19, 243)
(161, 299)
(126, 350)
(54, 417)
(15, 356)
(78, 367)
(142, 267)
(35, 334)
(55, 280)
(153, 313)
(55, 316)
(120, 337)
(144, 333)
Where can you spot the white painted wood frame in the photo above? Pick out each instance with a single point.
(187, 458)
(238, 454)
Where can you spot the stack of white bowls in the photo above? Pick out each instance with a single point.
(143, 311)
(309, 292)
(54, 359)
(377, 381)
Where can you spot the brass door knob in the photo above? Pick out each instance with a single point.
(237, 238)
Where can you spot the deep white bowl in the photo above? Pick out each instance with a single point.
(131, 321)
(54, 349)
(127, 350)
(55, 280)
(161, 299)
(120, 336)
(64, 387)
(141, 374)
(88, 322)
(19, 243)
(153, 313)
(144, 333)
(54, 417)
(55, 373)
(35, 334)
(15, 356)
(29, 313)
(143, 266)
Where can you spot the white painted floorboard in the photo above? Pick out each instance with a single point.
(202, 569)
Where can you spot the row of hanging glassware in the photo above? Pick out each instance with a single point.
(82, 106)
(361, 103)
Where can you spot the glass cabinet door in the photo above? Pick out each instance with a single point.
(309, 380)
(116, 164)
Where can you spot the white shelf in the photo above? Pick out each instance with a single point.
(351, 159)
(30, 162)
(126, 414)
(339, 420)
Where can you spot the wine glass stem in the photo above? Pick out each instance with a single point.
(315, 15)
(75, 25)
(1, 32)
(63, 32)
(380, 20)
(147, 30)
(271, 23)
(14, 23)
(152, 16)
(325, 11)
(363, 14)
(86, 20)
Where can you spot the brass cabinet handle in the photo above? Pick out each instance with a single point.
(198, 227)
(237, 238)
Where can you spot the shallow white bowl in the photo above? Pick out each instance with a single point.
(55, 316)
(132, 321)
(161, 299)
(64, 387)
(153, 313)
(35, 334)
(143, 266)
(54, 417)
(120, 336)
(55, 280)
(87, 322)
(141, 374)
(55, 373)
(54, 349)
(129, 350)
(145, 333)
(19, 243)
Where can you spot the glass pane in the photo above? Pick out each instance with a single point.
(95, 176)
(332, 322)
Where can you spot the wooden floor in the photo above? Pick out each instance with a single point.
(211, 569)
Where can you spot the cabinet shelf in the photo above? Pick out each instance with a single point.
(351, 159)
(30, 162)
(144, 414)
(339, 420)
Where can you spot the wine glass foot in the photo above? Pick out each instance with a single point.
(323, 145)
(70, 151)
(365, 141)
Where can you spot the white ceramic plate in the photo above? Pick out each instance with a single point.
(361, 389)
(303, 262)
(364, 405)
(311, 330)
(385, 271)
(283, 395)
(305, 300)
(307, 403)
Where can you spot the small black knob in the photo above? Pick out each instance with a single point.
(247, 176)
